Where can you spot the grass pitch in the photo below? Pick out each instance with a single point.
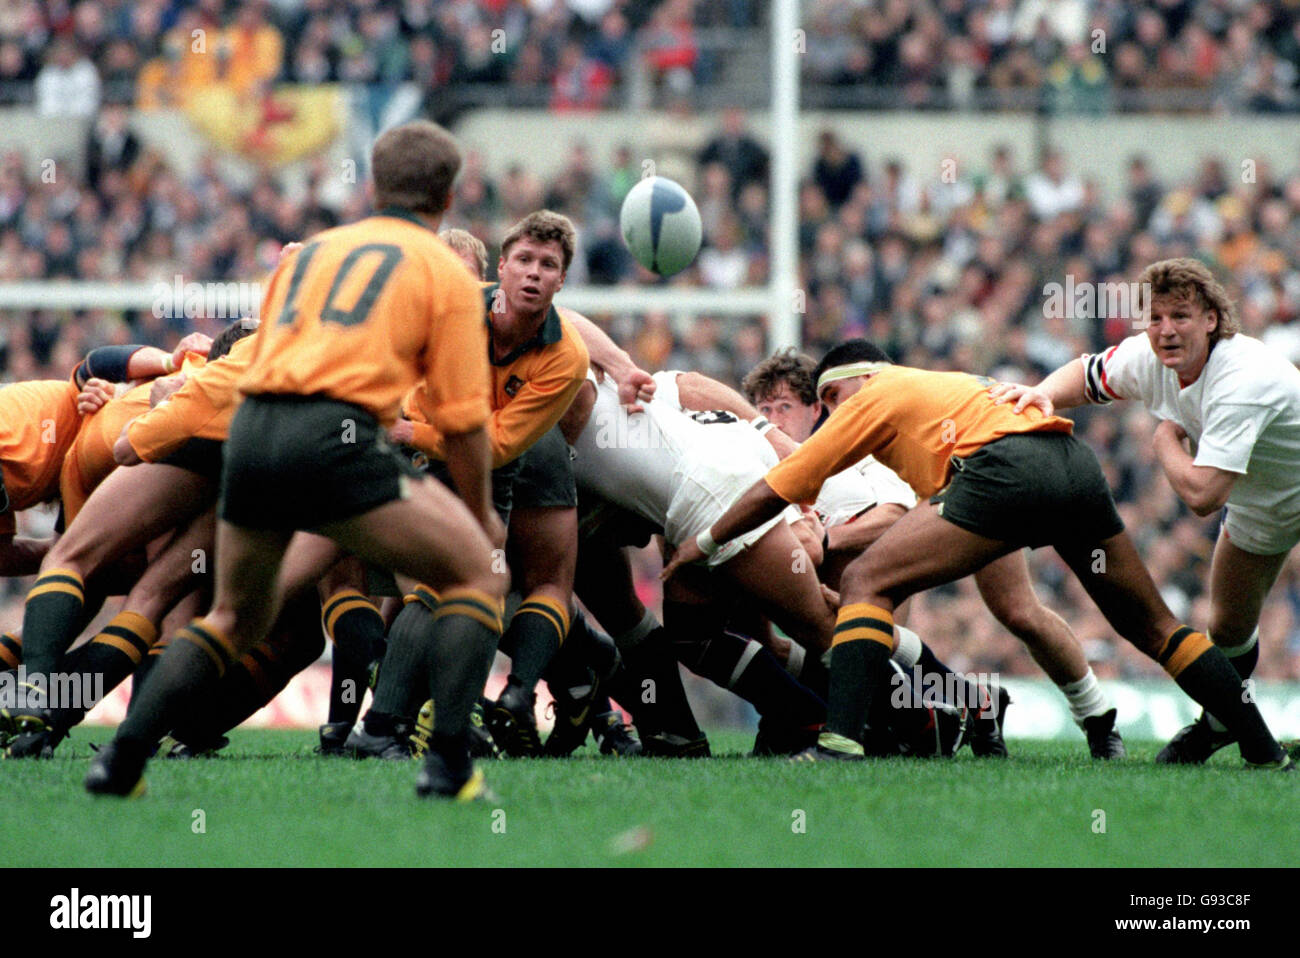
(268, 801)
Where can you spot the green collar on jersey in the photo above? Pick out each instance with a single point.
(548, 334)
(400, 213)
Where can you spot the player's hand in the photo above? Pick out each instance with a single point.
(637, 387)
(163, 387)
(402, 432)
(1023, 396)
(831, 596)
(94, 395)
(193, 343)
(688, 551)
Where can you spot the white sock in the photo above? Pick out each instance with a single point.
(908, 652)
(794, 661)
(1085, 697)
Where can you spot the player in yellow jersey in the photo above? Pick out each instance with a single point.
(997, 481)
(351, 322)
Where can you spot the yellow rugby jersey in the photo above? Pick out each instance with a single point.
(364, 312)
(200, 409)
(531, 389)
(38, 425)
(90, 459)
(912, 420)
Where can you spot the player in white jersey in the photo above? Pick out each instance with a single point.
(679, 469)
(1229, 435)
(858, 505)
(680, 472)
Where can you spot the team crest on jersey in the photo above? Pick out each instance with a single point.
(513, 385)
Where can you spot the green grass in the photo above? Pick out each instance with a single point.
(268, 801)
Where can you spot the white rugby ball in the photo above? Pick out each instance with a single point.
(661, 225)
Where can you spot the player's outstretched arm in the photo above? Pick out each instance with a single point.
(634, 383)
(698, 391)
(1063, 389)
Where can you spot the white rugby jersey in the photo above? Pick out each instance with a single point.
(1242, 413)
(635, 461)
(844, 495)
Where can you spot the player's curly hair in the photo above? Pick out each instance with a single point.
(1192, 279)
(544, 226)
(788, 366)
(413, 166)
(467, 244)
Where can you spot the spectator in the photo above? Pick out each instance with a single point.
(68, 85)
(836, 170)
(743, 156)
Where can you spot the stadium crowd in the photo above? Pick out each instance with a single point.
(1241, 55)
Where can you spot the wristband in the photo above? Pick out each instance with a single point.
(706, 544)
(168, 364)
(763, 426)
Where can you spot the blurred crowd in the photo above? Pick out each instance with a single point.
(64, 56)
(1068, 55)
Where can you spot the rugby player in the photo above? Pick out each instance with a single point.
(537, 362)
(997, 481)
(859, 504)
(1237, 402)
(351, 322)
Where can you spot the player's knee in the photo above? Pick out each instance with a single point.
(1024, 622)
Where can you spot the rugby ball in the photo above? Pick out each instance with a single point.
(661, 225)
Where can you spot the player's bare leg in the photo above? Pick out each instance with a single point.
(919, 551)
(543, 552)
(129, 509)
(780, 577)
(1008, 591)
(1114, 576)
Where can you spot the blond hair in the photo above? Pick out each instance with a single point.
(468, 246)
(1192, 280)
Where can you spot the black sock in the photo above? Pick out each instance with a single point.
(11, 651)
(753, 672)
(260, 675)
(1206, 674)
(649, 687)
(929, 664)
(356, 629)
(535, 635)
(466, 630)
(1245, 662)
(113, 654)
(196, 658)
(403, 675)
(50, 619)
